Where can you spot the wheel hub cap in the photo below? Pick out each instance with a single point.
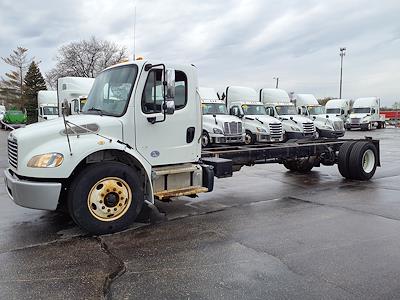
(109, 199)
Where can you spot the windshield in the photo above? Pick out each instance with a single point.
(214, 109)
(286, 110)
(50, 110)
(333, 111)
(111, 91)
(316, 110)
(253, 109)
(361, 110)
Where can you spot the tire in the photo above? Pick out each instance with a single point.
(317, 134)
(303, 165)
(379, 125)
(249, 138)
(205, 140)
(344, 157)
(116, 212)
(363, 161)
(369, 128)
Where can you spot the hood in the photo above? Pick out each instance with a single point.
(264, 118)
(323, 118)
(52, 129)
(359, 115)
(297, 118)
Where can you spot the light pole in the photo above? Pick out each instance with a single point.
(277, 81)
(342, 54)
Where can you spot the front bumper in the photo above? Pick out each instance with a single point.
(226, 139)
(32, 194)
(298, 135)
(331, 133)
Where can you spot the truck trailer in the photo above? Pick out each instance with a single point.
(126, 149)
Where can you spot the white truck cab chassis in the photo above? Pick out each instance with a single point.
(137, 139)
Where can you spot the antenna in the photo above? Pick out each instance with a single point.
(134, 36)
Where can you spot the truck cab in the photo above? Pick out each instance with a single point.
(338, 108)
(365, 114)
(219, 127)
(47, 105)
(73, 92)
(259, 126)
(327, 126)
(278, 105)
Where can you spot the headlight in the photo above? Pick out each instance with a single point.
(48, 160)
(365, 120)
(295, 128)
(259, 129)
(218, 131)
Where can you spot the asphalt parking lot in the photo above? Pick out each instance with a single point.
(265, 233)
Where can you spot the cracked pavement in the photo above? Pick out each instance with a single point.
(264, 233)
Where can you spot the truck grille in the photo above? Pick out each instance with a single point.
(231, 128)
(355, 120)
(13, 153)
(276, 131)
(308, 128)
(338, 125)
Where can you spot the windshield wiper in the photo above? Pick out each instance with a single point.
(96, 109)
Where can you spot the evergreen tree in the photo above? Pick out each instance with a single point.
(33, 83)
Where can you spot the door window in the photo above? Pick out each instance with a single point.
(153, 94)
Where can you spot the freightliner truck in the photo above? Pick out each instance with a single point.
(326, 126)
(219, 127)
(365, 114)
(259, 127)
(47, 105)
(127, 148)
(278, 105)
(338, 108)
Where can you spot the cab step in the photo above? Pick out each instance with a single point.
(186, 191)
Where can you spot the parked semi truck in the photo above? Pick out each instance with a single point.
(47, 105)
(326, 126)
(259, 127)
(74, 91)
(278, 105)
(338, 108)
(219, 127)
(365, 114)
(108, 164)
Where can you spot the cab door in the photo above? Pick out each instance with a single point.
(177, 138)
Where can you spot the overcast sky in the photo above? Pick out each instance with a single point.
(232, 42)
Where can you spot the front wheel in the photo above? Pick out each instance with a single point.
(249, 138)
(105, 197)
(205, 139)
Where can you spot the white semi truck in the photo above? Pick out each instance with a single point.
(259, 127)
(127, 148)
(326, 126)
(74, 91)
(278, 105)
(338, 108)
(47, 105)
(219, 127)
(365, 114)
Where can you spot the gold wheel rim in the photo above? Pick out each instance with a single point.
(109, 199)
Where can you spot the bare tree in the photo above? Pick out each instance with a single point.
(85, 58)
(12, 85)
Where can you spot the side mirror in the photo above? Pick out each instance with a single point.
(342, 112)
(65, 108)
(235, 111)
(169, 82)
(76, 105)
(169, 107)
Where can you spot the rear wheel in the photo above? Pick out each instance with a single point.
(363, 160)
(105, 197)
(343, 158)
